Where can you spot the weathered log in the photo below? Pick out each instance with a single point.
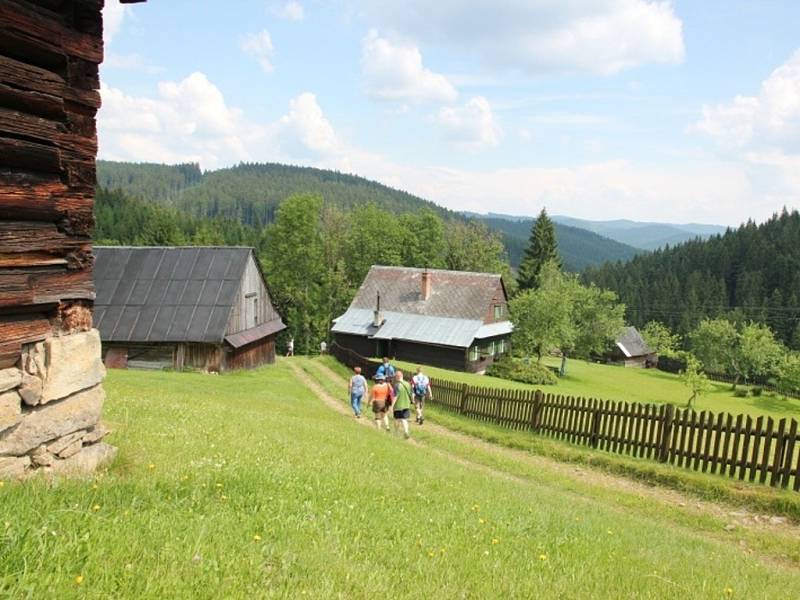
(21, 75)
(50, 33)
(24, 237)
(22, 154)
(18, 124)
(46, 285)
(19, 329)
(32, 102)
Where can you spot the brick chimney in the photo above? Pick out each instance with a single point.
(426, 285)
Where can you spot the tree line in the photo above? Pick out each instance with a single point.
(747, 274)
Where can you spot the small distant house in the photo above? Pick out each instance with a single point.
(206, 308)
(631, 350)
(450, 319)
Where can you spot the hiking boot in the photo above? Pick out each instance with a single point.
(406, 435)
(421, 420)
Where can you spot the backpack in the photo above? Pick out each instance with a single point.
(420, 385)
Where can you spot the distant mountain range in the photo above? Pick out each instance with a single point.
(640, 235)
(251, 193)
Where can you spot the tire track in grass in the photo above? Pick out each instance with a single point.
(594, 477)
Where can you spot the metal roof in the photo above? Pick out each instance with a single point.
(237, 340)
(441, 331)
(166, 294)
(493, 329)
(631, 342)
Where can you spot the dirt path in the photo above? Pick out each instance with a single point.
(733, 516)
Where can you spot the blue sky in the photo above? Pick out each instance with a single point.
(685, 111)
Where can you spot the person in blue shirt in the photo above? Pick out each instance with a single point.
(357, 388)
(386, 370)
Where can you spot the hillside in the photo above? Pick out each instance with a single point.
(244, 486)
(578, 248)
(250, 193)
(752, 272)
(642, 235)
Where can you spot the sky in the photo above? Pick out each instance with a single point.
(682, 111)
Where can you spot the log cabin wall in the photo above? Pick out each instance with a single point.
(50, 369)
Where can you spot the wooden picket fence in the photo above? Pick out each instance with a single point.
(760, 450)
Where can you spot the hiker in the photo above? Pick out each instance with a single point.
(357, 388)
(323, 347)
(290, 347)
(381, 401)
(386, 369)
(421, 386)
(402, 403)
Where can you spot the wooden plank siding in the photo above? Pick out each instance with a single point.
(49, 82)
(739, 447)
(253, 305)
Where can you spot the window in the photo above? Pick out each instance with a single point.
(501, 346)
(473, 353)
(499, 309)
(490, 349)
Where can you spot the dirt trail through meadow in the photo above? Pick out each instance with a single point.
(732, 516)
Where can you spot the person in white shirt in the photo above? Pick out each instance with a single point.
(357, 388)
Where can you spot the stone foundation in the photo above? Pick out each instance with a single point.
(50, 406)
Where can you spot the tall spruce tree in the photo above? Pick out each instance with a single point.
(542, 248)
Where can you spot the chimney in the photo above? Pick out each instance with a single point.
(377, 318)
(426, 285)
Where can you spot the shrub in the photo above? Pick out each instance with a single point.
(756, 390)
(525, 372)
(740, 393)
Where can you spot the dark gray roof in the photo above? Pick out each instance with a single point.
(454, 294)
(631, 342)
(166, 294)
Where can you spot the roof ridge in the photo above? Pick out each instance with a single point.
(429, 270)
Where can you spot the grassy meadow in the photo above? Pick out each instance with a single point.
(609, 382)
(246, 485)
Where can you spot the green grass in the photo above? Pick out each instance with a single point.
(340, 511)
(608, 382)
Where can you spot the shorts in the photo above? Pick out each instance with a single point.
(402, 414)
(419, 400)
(379, 408)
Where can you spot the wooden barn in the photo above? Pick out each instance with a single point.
(452, 319)
(49, 354)
(630, 350)
(204, 308)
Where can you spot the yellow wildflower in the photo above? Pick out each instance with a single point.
(609, 532)
(481, 520)
(443, 550)
(475, 507)
(543, 557)
(151, 466)
(495, 541)
(219, 485)
(184, 478)
(256, 538)
(430, 554)
(94, 486)
(96, 507)
(728, 591)
(78, 579)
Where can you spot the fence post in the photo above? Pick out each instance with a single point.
(536, 410)
(596, 416)
(666, 432)
(777, 462)
(464, 393)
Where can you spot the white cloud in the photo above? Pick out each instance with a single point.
(258, 46)
(393, 71)
(305, 131)
(130, 62)
(535, 36)
(113, 15)
(291, 11)
(190, 120)
(471, 125)
(772, 118)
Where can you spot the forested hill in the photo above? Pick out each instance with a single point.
(250, 194)
(578, 248)
(752, 273)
